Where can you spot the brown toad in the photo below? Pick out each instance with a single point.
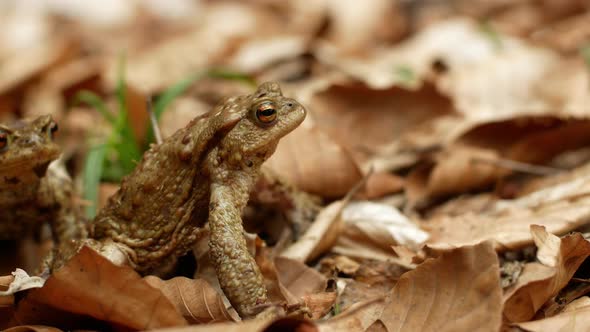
(33, 190)
(203, 173)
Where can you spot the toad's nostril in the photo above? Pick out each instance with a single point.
(33, 139)
(290, 104)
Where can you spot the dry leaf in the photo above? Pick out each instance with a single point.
(195, 51)
(91, 285)
(560, 208)
(577, 304)
(477, 157)
(314, 162)
(321, 235)
(26, 65)
(537, 284)
(371, 229)
(363, 119)
(357, 318)
(256, 54)
(253, 325)
(572, 321)
(22, 281)
(196, 300)
(305, 284)
(356, 27)
(380, 184)
(32, 328)
(298, 278)
(458, 291)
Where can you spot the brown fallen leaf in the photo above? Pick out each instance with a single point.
(560, 208)
(90, 285)
(458, 291)
(477, 157)
(293, 284)
(572, 321)
(299, 278)
(380, 184)
(258, 53)
(32, 328)
(358, 317)
(373, 279)
(209, 43)
(25, 66)
(196, 300)
(314, 162)
(253, 325)
(564, 35)
(371, 229)
(363, 119)
(321, 235)
(305, 284)
(357, 27)
(538, 283)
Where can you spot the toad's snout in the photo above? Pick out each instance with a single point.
(33, 139)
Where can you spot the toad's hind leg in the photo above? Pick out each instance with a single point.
(238, 274)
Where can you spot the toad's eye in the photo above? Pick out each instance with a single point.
(3, 140)
(52, 129)
(266, 112)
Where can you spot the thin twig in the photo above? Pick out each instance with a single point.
(153, 121)
(519, 166)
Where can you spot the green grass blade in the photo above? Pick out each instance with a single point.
(93, 100)
(120, 87)
(93, 168)
(228, 74)
(585, 53)
(171, 94)
(488, 30)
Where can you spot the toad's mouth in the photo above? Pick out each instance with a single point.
(37, 162)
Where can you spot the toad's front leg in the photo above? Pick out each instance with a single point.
(238, 274)
(56, 192)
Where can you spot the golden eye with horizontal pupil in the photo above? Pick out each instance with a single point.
(3, 140)
(266, 112)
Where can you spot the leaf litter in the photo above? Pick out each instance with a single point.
(466, 124)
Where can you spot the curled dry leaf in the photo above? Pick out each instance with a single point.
(571, 321)
(189, 53)
(363, 119)
(196, 300)
(91, 285)
(458, 291)
(24, 66)
(314, 162)
(356, 26)
(456, 171)
(306, 284)
(32, 328)
(371, 229)
(252, 325)
(358, 317)
(537, 284)
(479, 156)
(487, 77)
(560, 208)
(577, 304)
(259, 53)
(380, 184)
(22, 281)
(321, 235)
